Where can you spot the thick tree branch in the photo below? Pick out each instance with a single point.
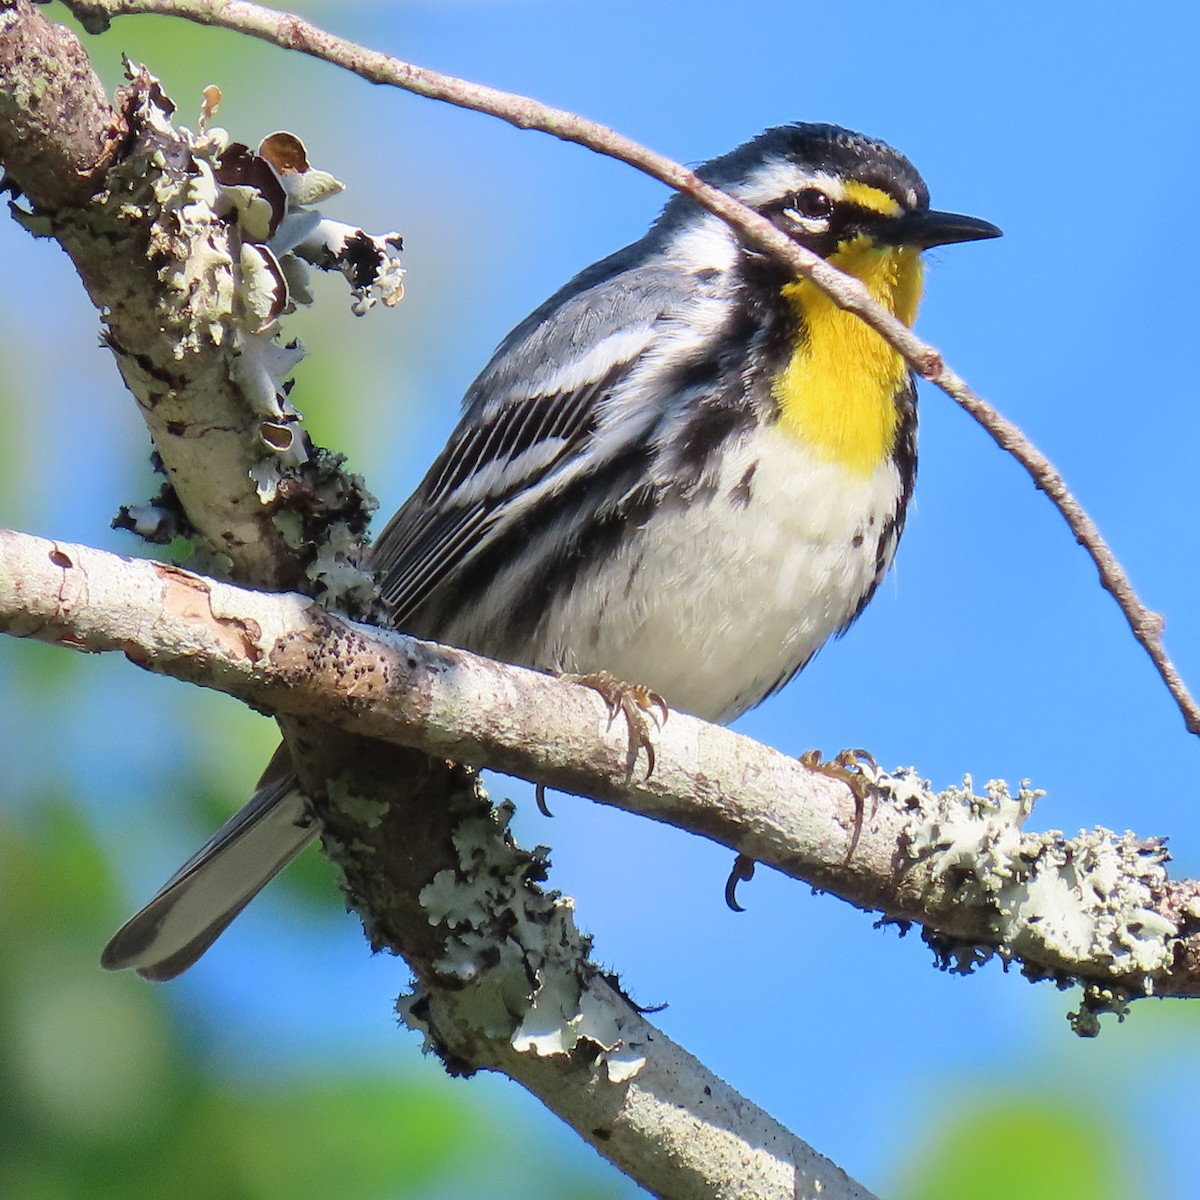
(504, 981)
(290, 32)
(190, 299)
(58, 132)
(958, 864)
(500, 985)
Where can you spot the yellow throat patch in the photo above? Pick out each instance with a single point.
(837, 394)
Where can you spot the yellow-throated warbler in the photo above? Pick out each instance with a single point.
(686, 469)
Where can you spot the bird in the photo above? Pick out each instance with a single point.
(688, 469)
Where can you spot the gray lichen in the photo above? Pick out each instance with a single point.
(516, 964)
(228, 234)
(1062, 908)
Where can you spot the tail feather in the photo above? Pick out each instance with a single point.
(195, 905)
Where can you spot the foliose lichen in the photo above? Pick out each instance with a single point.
(1072, 910)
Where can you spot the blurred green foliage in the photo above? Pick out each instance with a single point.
(104, 1094)
(1020, 1146)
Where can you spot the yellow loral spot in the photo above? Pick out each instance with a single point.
(838, 392)
(873, 199)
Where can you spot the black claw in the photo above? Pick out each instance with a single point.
(858, 757)
(654, 700)
(859, 819)
(649, 748)
(743, 871)
(539, 795)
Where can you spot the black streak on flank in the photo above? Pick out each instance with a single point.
(740, 492)
(707, 429)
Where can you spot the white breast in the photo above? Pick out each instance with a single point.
(716, 603)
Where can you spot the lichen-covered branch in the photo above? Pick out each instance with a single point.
(505, 982)
(1096, 909)
(197, 192)
(503, 977)
(191, 248)
(44, 76)
(290, 32)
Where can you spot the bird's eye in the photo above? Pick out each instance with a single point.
(813, 203)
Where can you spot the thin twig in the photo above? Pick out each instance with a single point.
(849, 293)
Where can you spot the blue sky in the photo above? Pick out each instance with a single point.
(991, 649)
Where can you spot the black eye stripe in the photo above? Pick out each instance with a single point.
(816, 221)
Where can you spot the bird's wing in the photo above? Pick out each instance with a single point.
(553, 388)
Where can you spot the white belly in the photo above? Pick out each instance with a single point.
(717, 603)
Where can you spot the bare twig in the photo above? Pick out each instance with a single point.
(292, 33)
(959, 865)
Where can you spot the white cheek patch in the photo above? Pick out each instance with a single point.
(708, 244)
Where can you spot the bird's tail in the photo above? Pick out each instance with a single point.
(195, 905)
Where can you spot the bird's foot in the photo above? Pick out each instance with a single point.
(637, 704)
(848, 768)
